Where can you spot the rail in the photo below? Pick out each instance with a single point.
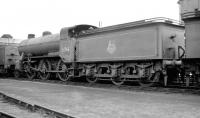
(32, 108)
(3, 115)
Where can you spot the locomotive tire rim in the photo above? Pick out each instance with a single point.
(92, 79)
(63, 76)
(117, 81)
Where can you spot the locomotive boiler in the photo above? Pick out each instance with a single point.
(40, 46)
(144, 51)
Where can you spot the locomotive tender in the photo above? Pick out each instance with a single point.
(144, 51)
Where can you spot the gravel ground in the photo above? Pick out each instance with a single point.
(84, 102)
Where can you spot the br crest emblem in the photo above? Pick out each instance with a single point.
(111, 47)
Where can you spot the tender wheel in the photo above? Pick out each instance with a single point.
(150, 81)
(92, 79)
(117, 81)
(64, 74)
(44, 66)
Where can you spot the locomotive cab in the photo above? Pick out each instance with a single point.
(68, 42)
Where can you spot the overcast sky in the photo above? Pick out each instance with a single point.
(21, 17)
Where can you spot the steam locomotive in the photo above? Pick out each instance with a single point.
(144, 51)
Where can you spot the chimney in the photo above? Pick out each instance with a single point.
(45, 33)
(30, 36)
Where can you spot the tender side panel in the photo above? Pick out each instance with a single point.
(135, 43)
(192, 39)
(173, 38)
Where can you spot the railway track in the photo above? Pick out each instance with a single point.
(11, 109)
(126, 87)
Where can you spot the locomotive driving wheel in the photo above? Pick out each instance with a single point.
(117, 81)
(151, 80)
(44, 66)
(63, 75)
